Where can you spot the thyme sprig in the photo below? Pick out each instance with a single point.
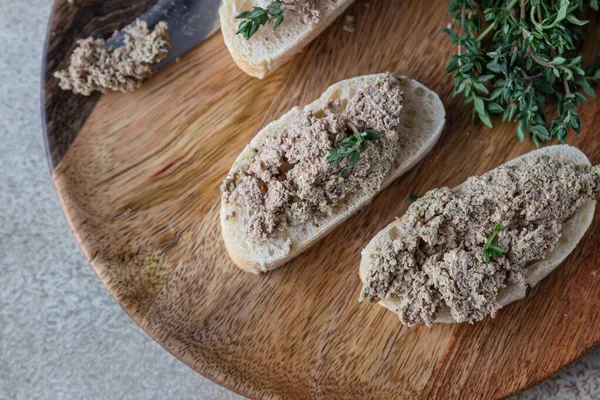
(252, 20)
(490, 250)
(523, 60)
(413, 197)
(351, 146)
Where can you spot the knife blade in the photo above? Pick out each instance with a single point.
(190, 22)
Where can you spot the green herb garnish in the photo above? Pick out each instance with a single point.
(413, 197)
(350, 146)
(490, 250)
(260, 16)
(521, 59)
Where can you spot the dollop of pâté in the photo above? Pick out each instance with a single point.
(96, 66)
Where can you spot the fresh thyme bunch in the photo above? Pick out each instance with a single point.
(522, 58)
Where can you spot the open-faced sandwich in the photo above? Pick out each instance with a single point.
(261, 35)
(459, 255)
(305, 173)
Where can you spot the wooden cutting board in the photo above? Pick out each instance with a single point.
(138, 177)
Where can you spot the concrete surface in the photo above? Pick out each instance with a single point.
(61, 334)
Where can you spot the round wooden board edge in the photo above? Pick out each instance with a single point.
(54, 156)
(53, 162)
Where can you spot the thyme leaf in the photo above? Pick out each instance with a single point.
(490, 250)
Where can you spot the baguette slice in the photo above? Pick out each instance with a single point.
(267, 50)
(422, 119)
(573, 231)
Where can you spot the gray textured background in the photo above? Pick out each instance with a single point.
(61, 334)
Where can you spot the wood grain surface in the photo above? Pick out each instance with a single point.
(140, 188)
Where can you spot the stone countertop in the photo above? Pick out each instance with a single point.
(61, 334)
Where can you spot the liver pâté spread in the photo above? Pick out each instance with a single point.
(441, 262)
(95, 66)
(290, 181)
(308, 9)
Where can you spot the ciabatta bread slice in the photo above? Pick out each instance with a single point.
(572, 232)
(267, 49)
(422, 119)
